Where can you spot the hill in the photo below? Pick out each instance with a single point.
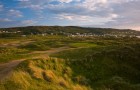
(66, 30)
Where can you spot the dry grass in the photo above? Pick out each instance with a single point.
(79, 87)
(49, 76)
(43, 74)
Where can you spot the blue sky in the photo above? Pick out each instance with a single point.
(91, 13)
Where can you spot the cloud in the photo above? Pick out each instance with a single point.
(14, 23)
(102, 13)
(22, 0)
(1, 7)
(129, 15)
(33, 4)
(65, 1)
(28, 22)
(5, 20)
(84, 20)
(14, 13)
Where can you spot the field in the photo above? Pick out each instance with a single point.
(59, 62)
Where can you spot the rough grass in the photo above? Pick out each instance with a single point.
(45, 44)
(44, 74)
(105, 68)
(104, 64)
(97, 68)
(8, 54)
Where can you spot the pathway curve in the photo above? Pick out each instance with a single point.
(6, 68)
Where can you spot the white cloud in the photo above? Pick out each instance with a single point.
(65, 1)
(114, 15)
(1, 7)
(103, 12)
(5, 20)
(22, 0)
(85, 19)
(88, 4)
(28, 22)
(15, 13)
(36, 7)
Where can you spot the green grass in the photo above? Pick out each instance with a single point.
(42, 45)
(8, 54)
(115, 67)
(98, 64)
(94, 68)
(82, 44)
(13, 40)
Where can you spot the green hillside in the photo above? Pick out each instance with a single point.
(64, 30)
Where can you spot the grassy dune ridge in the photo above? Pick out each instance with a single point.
(44, 74)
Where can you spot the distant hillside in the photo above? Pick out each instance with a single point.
(66, 30)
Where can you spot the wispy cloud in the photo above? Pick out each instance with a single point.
(14, 13)
(28, 22)
(5, 20)
(1, 7)
(86, 19)
(101, 13)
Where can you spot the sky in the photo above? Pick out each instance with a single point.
(87, 13)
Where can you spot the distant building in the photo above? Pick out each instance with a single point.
(138, 36)
(23, 35)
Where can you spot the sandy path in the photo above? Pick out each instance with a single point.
(6, 68)
(51, 51)
(16, 44)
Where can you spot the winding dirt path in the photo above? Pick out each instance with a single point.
(16, 43)
(6, 68)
